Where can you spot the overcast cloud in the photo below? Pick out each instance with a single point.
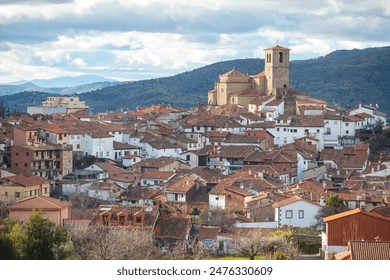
(132, 40)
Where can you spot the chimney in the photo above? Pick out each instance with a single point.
(379, 167)
(363, 207)
(322, 200)
(338, 172)
(372, 169)
(323, 184)
(261, 175)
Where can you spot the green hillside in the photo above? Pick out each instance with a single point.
(346, 78)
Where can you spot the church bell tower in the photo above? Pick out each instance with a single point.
(277, 68)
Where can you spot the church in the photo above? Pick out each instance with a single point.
(237, 88)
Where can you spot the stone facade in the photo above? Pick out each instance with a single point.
(235, 87)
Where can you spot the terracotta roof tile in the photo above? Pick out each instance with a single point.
(40, 202)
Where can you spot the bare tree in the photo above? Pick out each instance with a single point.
(217, 217)
(281, 247)
(269, 245)
(104, 243)
(253, 245)
(82, 204)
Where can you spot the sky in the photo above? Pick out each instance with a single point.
(130, 40)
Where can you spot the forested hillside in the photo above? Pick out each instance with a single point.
(346, 78)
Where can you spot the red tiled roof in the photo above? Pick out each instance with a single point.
(173, 227)
(291, 200)
(39, 203)
(157, 175)
(369, 250)
(26, 181)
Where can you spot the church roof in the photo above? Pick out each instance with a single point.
(234, 73)
(277, 47)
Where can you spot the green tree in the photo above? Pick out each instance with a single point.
(42, 237)
(336, 204)
(333, 205)
(38, 239)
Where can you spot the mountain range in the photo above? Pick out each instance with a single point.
(344, 77)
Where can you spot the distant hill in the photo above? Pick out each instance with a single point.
(62, 82)
(345, 77)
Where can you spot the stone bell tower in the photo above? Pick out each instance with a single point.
(277, 68)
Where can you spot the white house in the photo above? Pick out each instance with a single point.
(160, 148)
(191, 157)
(287, 130)
(296, 212)
(98, 144)
(107, 191)
(129, 160)
(371, 110)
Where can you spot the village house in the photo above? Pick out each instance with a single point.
(139, 196)
(159, 164)
(228, 196)
(25, 134)
(173, 230)
(106, 191)
(286, 163)
(296, 212)
(356, 224)
(43, 160)
(230, 157)
(183, 190)
(133, 217)
(290, 128)
(58, 105)
(18, 187)
(55, 210)
(370, 110)
(347, 158)
(122, 149)
(156, 179)
(259, 208)
(129, 160)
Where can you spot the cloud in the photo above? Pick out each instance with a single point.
(152, 38)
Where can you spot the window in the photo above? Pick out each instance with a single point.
(138, 220)
(25, 165)
(289, 214)
(17, 194)
(347, 124)
(6, 194)
(229, 196)
(78, 146)
(280, 57)
(301, 214)
(347, 132)
(188, 157)
(216, 198)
